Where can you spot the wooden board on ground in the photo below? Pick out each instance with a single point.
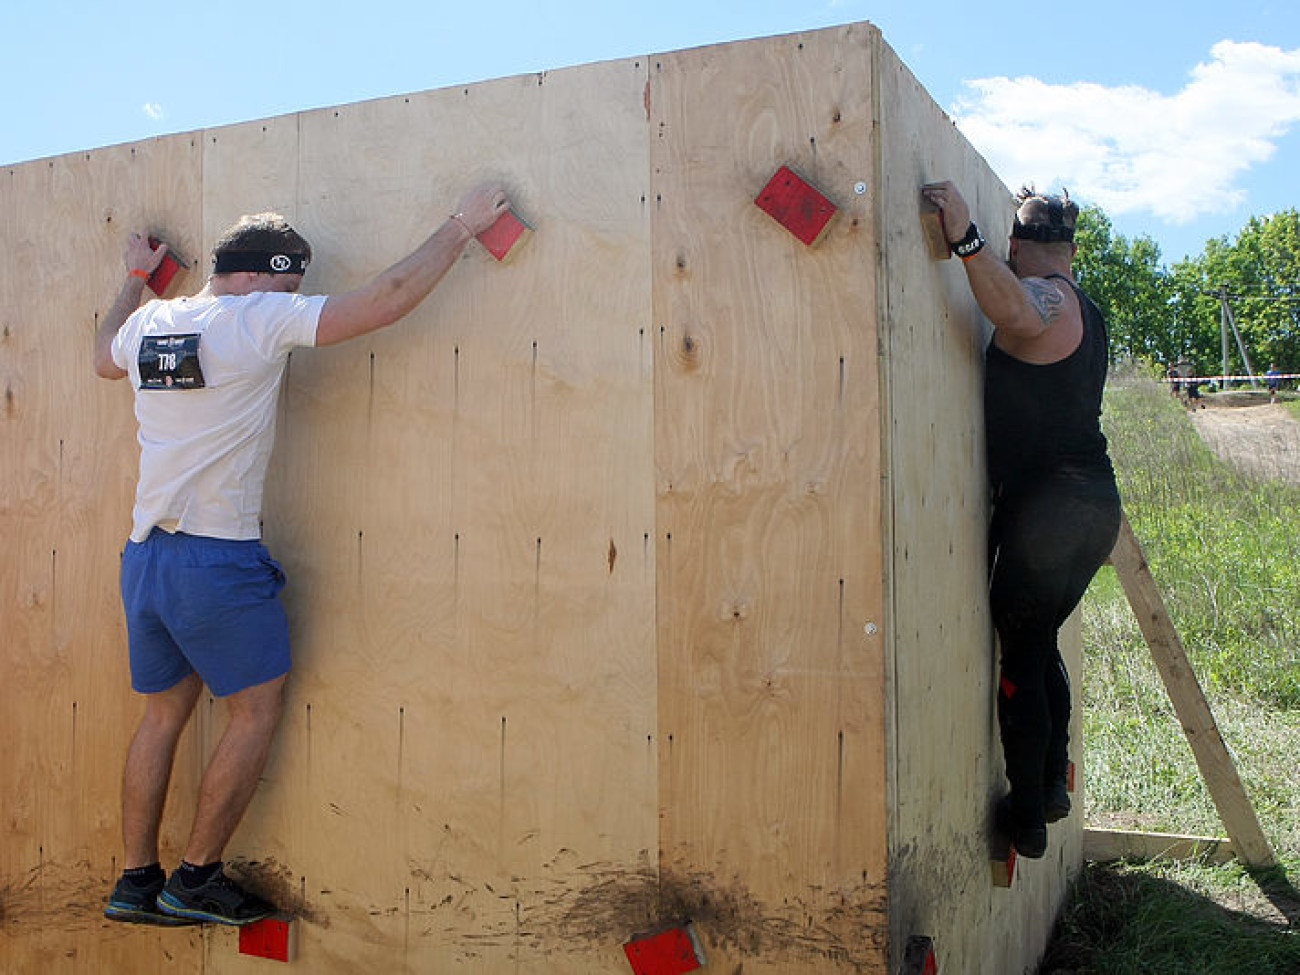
(1102, 845)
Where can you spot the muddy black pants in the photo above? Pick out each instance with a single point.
(1045, 545)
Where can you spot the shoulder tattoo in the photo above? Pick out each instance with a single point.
(1046, 298)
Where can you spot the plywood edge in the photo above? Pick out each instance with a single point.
(885, 427)
(1110, 845)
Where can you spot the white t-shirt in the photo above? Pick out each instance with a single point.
(204, 451)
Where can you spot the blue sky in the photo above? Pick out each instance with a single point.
(1181, 119)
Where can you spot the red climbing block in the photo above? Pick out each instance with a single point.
(162, 276)
(669, 952)
(919, 958)
(268, 938)
(796, 205)
(503, 238)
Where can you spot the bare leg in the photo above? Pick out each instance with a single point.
(149, 768)
(235, 768)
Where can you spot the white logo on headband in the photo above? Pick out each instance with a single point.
(280, 263)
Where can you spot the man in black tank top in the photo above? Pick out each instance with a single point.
(1055, 505)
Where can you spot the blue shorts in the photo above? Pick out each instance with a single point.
(209, 606)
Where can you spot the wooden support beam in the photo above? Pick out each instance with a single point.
(1189, 702)
(1103, 845)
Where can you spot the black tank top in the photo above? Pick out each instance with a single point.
(1045, 420)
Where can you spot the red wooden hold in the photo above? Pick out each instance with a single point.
(268, 938)
(670, 952)
(796, 205)
(503, 237)
(162, 276)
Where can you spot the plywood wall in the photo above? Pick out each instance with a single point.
(636, 579)
(945, 753)
(464, 504)
(68, 456)
(767, 450)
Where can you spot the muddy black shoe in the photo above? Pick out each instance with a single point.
(220, 900)
(139, 905)
(1030, 841)
(1056, 801)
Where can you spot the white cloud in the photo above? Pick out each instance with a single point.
(153, 110)
(1129, 149)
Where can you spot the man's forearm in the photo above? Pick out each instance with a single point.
(408, 282)
(396, 291)
(127, 301)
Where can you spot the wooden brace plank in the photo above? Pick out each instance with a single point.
(1104, 845)
(1193, 711)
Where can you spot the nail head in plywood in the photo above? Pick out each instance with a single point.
(796, 205)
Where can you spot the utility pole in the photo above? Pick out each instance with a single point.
(1226, 321)
(1223, 332)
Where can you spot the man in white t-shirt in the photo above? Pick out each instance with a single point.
(201, 593)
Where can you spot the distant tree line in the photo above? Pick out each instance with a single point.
(1164, 315)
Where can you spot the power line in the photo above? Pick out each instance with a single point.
(1237, 296)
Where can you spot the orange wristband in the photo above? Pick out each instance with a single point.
(140, 272)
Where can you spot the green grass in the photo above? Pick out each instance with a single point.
(1165, 919)
(1225, 552)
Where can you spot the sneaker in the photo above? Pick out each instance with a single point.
(139, 905)
(1029, 841)
(220, 900)
(1056, 801)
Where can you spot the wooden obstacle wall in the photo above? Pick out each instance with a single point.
(634, 580)
(946, 760)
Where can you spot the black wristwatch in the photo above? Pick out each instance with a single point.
(969, 245)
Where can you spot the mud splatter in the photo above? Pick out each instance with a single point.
(276, 883)
(595, 903)
(75, 894)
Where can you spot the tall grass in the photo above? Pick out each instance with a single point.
(1225, 551)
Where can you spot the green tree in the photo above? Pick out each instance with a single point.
(1164, 315)
(1124, 277)
(1260, 271)
(1194, 318)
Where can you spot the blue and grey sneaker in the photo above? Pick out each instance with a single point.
(220, 900)
(139, 905)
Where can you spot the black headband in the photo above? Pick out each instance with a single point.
(1053, 232)
(264, 262)
(1042, 233)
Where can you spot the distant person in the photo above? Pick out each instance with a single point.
(1056, 508)
(1272, 379)
(201, 593)
(1175, 377)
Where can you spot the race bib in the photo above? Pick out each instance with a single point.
(170, 362)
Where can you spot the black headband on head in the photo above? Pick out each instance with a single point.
(1042, 233)
(263, 262)
(1053, 232)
